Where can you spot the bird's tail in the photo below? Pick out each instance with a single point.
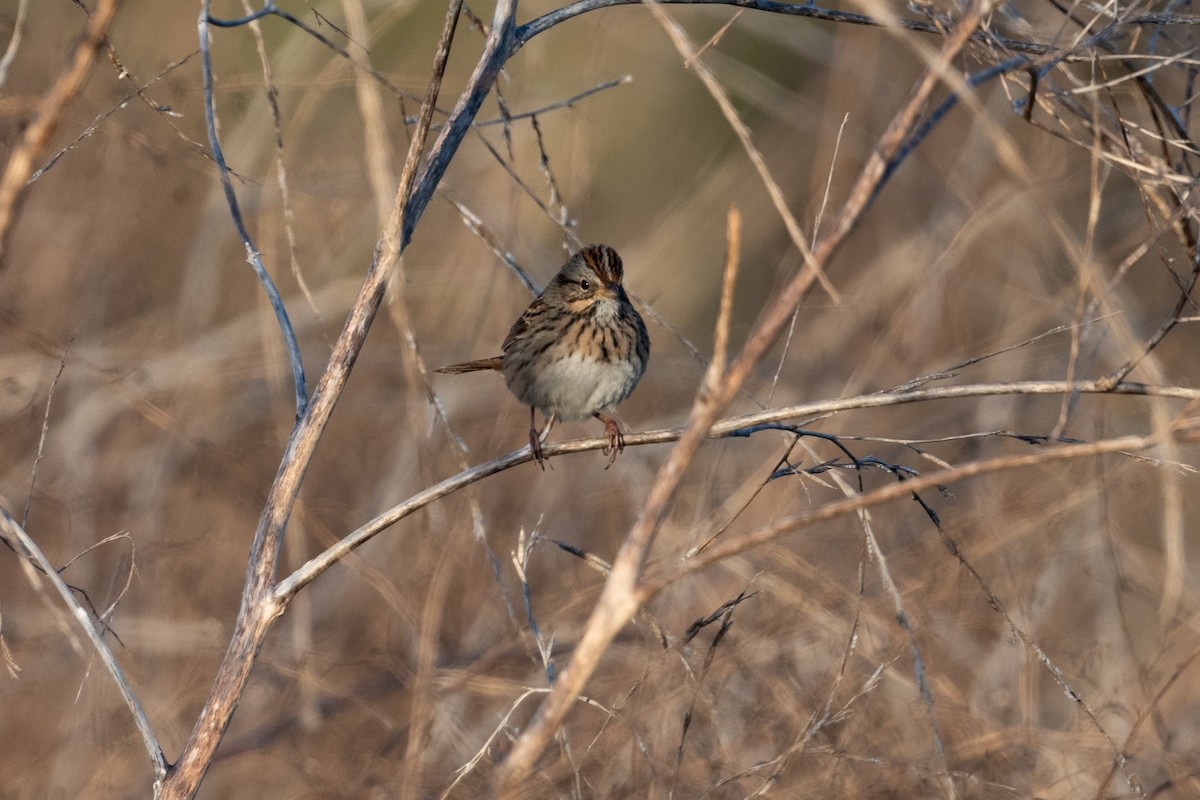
(474, 366)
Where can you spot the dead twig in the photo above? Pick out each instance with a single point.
(36, 137)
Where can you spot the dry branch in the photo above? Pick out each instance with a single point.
(260, 607)
(36, 137)
(1163, 176)
(28, 549)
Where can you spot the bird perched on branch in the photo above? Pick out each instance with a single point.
(579, 348)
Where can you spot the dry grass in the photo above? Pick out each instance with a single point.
(1038, 640)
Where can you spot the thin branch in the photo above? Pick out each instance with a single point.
(260, 607)
(138, 91)
(809, 10)
(14, 42)
(252, 254)
(731, 426)
(520, 559)
(619, 600)
(41, 447)
(281, 174)
(787, 342)
(567, 103)
(689, 55)
(87, 623)
(36, 136)
(482, 752)
(658, 580)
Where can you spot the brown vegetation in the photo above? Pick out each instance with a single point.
(930, 536)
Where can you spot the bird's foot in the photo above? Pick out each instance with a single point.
(616, 440)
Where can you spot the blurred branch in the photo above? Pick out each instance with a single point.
(567, 103)
(270, 9)
(138, 91)
(546, 21)
(1118, 754)
(692, 58)
(41, 447)
(36, 137)
(30, 552)
(252, 253)
(14, 42)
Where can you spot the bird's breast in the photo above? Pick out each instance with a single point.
(575, 385)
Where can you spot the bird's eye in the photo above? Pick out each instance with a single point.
(585, 284)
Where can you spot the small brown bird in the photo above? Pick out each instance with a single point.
(579, 348)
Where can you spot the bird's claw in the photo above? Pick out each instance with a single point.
(616, 439)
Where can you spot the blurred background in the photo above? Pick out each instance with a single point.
(126, 289)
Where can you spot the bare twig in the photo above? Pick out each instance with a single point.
(787, 342)
(36, 136)
(260, 606)
(37, 459)
(299, 385)
(620, 600)
(567, 103)
(656, 581)
(739, 425)
(14, 42)
(281, 175)
(520, 560)
(87, 624)
(138, 91)
(684, 46)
